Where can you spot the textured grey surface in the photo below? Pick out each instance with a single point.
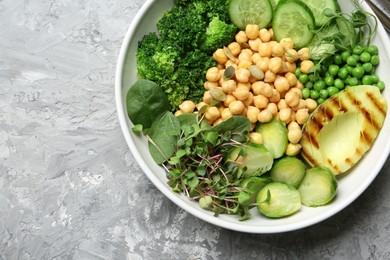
(69, 187)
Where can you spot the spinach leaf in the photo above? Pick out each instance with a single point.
(235, 128)
(145, 100)
(163, 135)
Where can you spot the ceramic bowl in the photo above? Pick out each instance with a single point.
(351, 186)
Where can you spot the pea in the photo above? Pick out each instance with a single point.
(329, 80)
(298, 72)
(320, 100)
(333, 69)
(303, 78)
(352, 61)
(375, 60)
(324, 93)
(375, 78)
(319, 85)
(332, 91)
(338, 59)
(372, 49)
(380, 85)
(358, 49)
(345, 55)
(339, 84)
(353, 81)
(367, 67)
(367, 80)
(309, 85)
(314, 94)
(365, 57)
(349, 68)
(305, 93)
(358, 72)
(343, 73)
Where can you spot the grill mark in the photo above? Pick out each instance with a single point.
(308, 157)
(366, 137)
(374, 101)
(312, 138)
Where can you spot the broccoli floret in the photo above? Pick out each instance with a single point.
(218, 34)
(220, 9)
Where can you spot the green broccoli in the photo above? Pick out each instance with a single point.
(218, 34)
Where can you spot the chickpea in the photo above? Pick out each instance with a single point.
(290, 67)
(252, 31)
(267, 90)
(200, 105)
(264, 35)
(235, 48)
(211, 114)
(256, 138)
(293, 125)
(293, 149)
(226, 113)
(265, 49)
(285, 115)
(271, 32)
(292, 79)
(249, 100)
(252, 113)
(229, 86)
(275, 96)
(293, 114)
(269, 76)
(287, 43)
(263, 63)
(281, 84)
(301, 104)
(241, 93)
(302, 115)
(277, 50)
(245, 56)
(306, 65)
(275, 65)
(272, 108)
(246, 84)
(257, 87)
(207, 85)
(254, 44)
(291, 55)
(242, 75)
(220, 56)
(218, 121)
(229, 99)
(292, 98)
(207, 98)
(294, 135)
(247, 51)
(212, 74)
(260, 101)
(178, 113)
(241, 37)
(282, 104)
(304, 53)
(256, 58)
(299, 85)
(311, 104)
(244, 64)
(264, 116)
(187, 106)
(236, 107)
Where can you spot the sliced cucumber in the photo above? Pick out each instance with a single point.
(293, 19)
(274, 3)
(244, 12)
(275, 138)
(318, 187)
(318, 7)
(289, 170)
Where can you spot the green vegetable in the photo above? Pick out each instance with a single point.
(289, 170)
(318, 187)
(293, 19)
(318, 8)
(275, 138)
(218, 34)
(253, 159)
(145, 101)
(244, 12)
(278, 200)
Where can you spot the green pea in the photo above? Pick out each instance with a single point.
(309, 85)
(305, 93)
(375, 78)
(338, 59)
(367, 80)
(318, 85)
(324, 93)
(349, 68)
(358, 49)
(333, 69)
(320, 100)
(352, 61)
(375, 60)
(298, 72)
(365, 57)
(303, 78)
(367, 67)
(353, 81)
(372, 49)
(343, 73)
(345, 55)
(314, 94)
(332, 91)
(339, 84)
(358, 72)
(329, 80)
(380, 85)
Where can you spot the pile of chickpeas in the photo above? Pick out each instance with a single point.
(263, 84)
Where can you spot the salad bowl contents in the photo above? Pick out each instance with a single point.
(256, 115)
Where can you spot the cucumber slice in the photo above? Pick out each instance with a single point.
(289, 170)
(275, 137)
(244, 12)
(293, 19)
(318, 7)
(274, 3)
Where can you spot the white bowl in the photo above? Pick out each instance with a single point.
(350, 186)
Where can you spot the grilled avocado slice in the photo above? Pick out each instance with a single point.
(343, 128)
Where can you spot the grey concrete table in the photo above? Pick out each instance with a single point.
(69, 186)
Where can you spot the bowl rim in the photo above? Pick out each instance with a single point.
(122, 114)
